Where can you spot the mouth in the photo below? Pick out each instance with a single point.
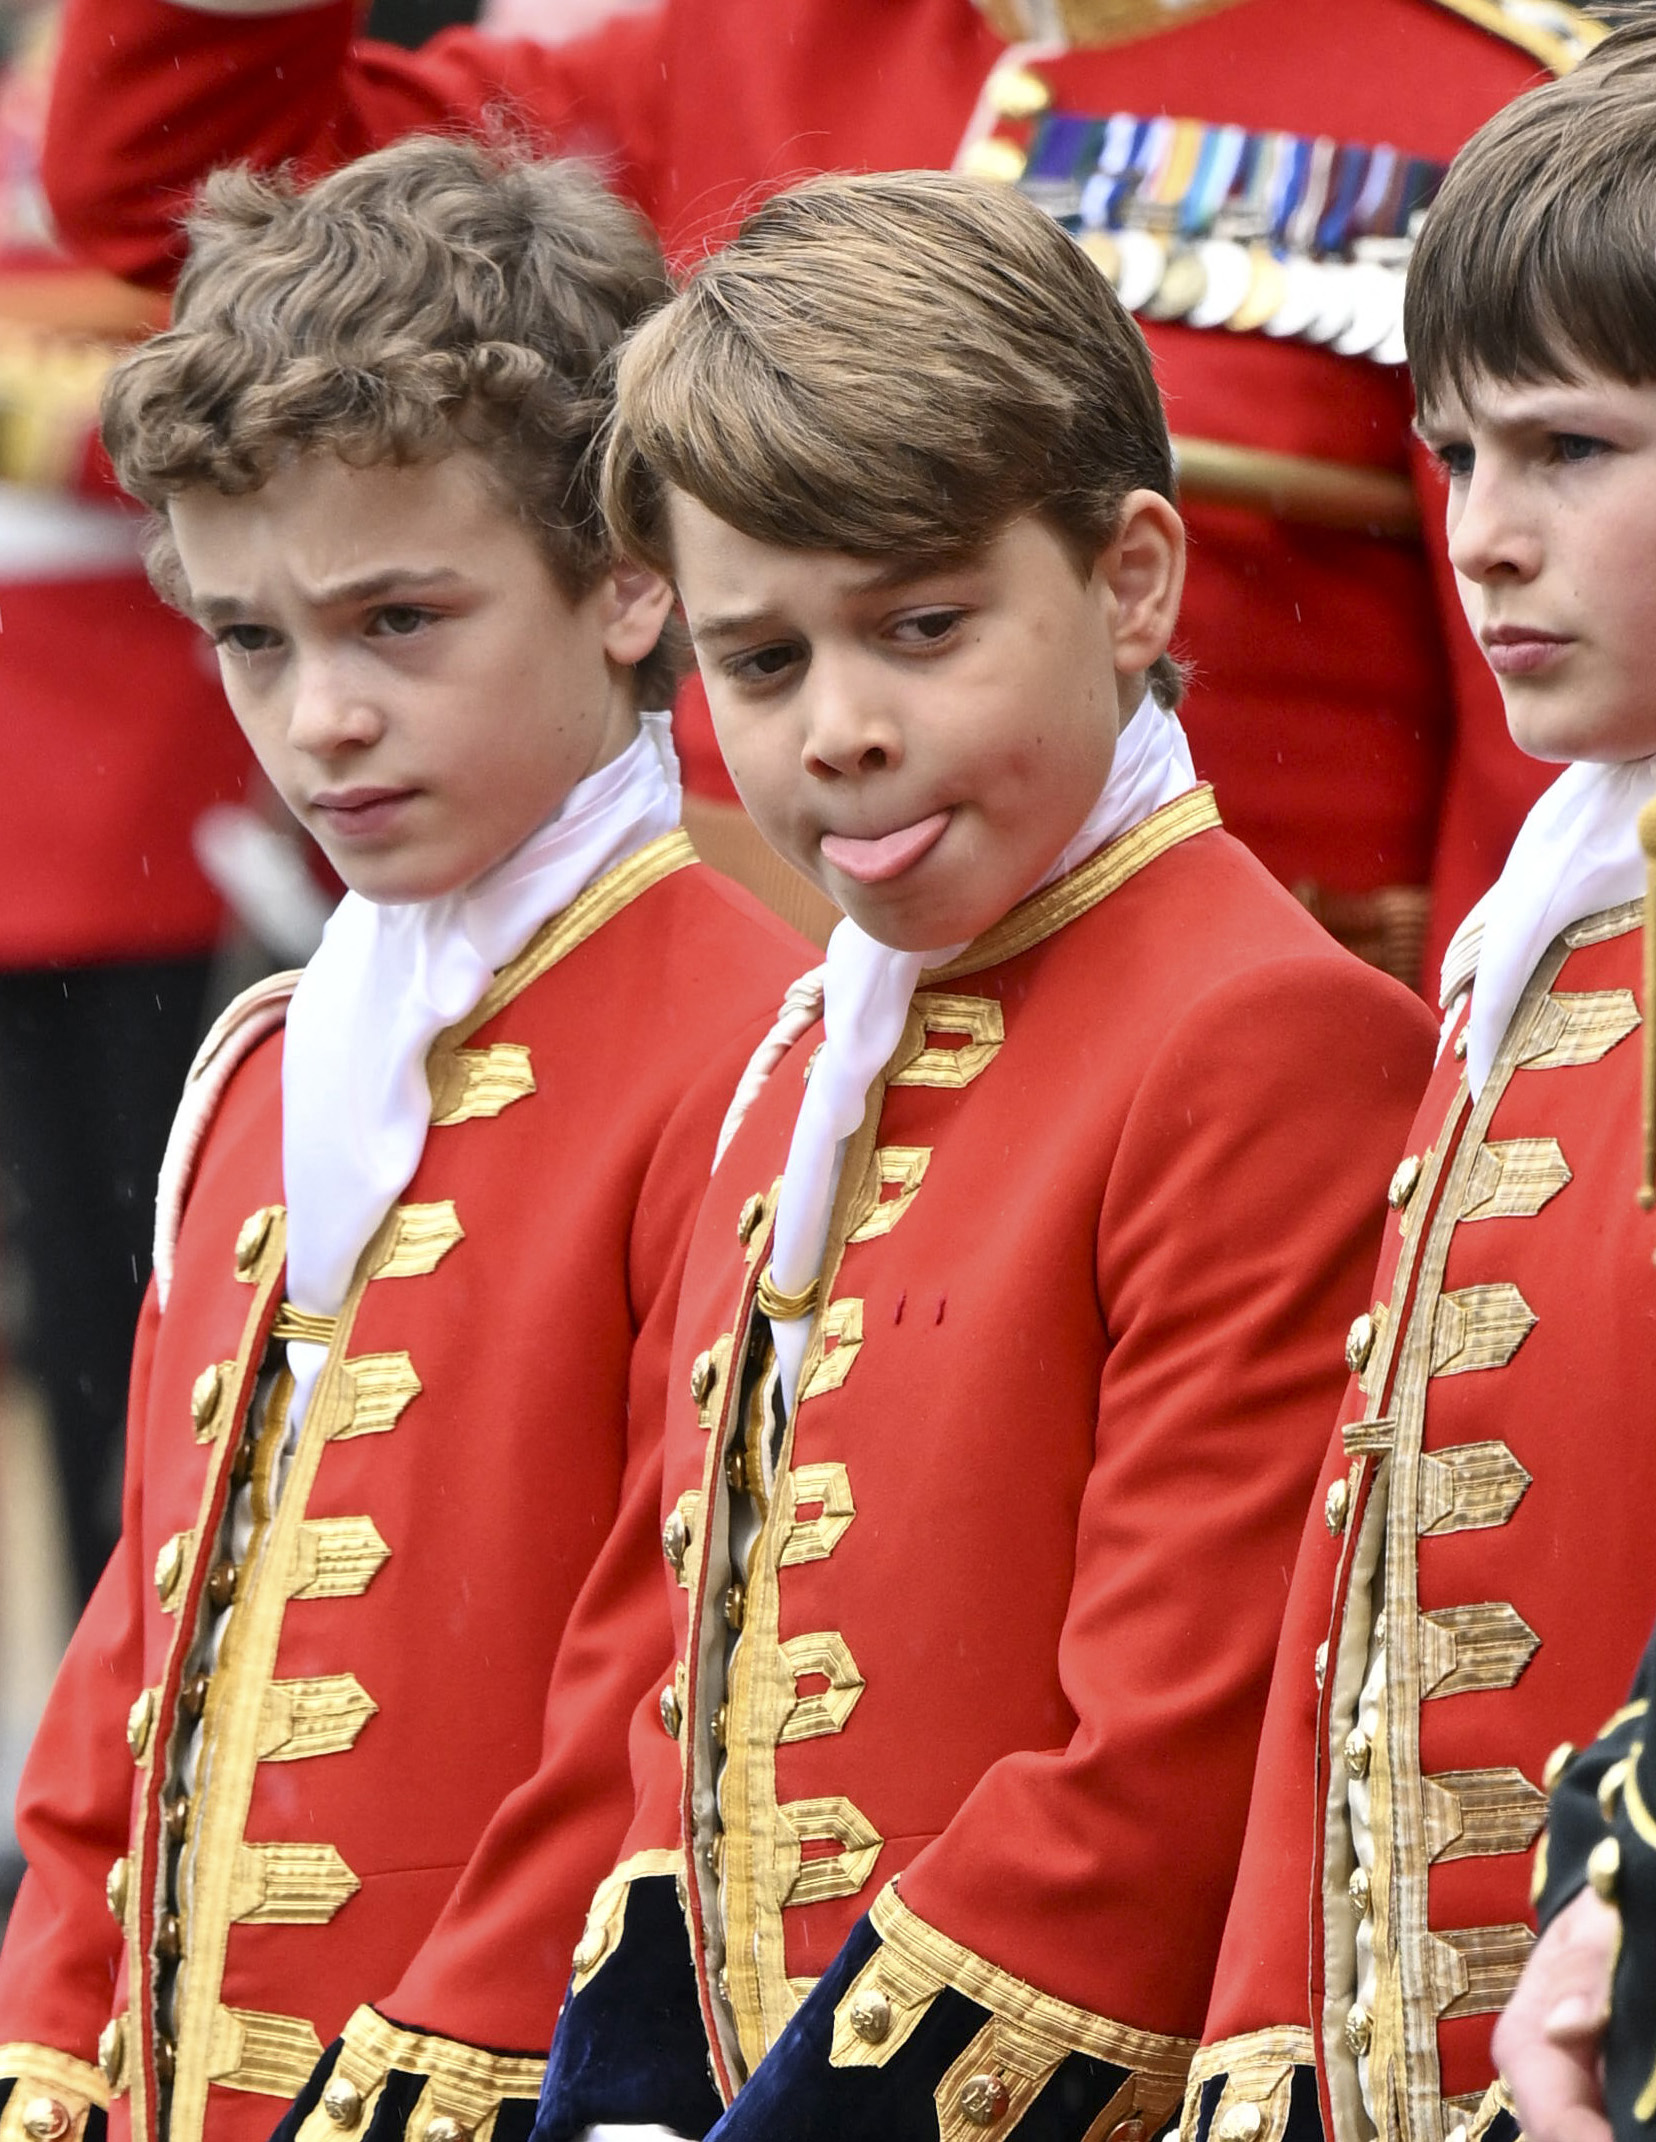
(1522, 650)
(354, 813)
(874, 861)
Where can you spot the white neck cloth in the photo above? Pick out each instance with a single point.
(1577, 852)
(866, 991)
(382, 986)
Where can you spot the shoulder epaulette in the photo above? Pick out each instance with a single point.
(1551, 31)
(233, 1036)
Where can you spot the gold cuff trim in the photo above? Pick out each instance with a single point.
(292, 1323)
(924, 1951)
(784, 1308)
(1258, 2070)
(606, 1917)
(462, 2080)
(1045, 913)
(43, 2067)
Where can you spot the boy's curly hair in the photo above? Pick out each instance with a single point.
(437, 294)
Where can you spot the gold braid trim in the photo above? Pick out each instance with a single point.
(40, 2071)
(1558, 35)
(1045, 913)
(463, 2082)
(1258, 2070)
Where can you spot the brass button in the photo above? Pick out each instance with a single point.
(748, 1219)
(444, 2129)
(870, 2016)
(1242, 2123)
(169, 1567)
(116, 1882)
(675, 1539)
(984, 2100)
(721, 1985)
(1131, 2129)
(177, 1819)
(255, 1233)
(221, 1584)
(166, 2061)
(1336, 1507)
(681, 1889)
(589, 1950)
(672, 1712)
(721, 1725)
(45, 2119)
(715, 1854)
(704, 1373)
(1404, 1182)
(140, 1724)
(1557, 1763)
(192, 1697)
(169, 1944)
(342, 2102)
(205, 1394)
(1610, 1787)
(1360, 1893)
(1460, 1046)
(735, 1606)
(1358, 1749)
(1604, 1868)
(1360, 1342)
(241, 1462)
(112, 2050)
(736, 1471)
(1359, 2029)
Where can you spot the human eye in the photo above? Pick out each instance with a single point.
(1454, 457)
(758, 668)
(400, 620)
(246, 640)
(931, 627)
(1578, 446)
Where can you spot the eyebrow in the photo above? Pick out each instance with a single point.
(211, 610)
(879, 580)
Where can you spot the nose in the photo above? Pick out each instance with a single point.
(329, 712)
(1491, 527)
(850, 728)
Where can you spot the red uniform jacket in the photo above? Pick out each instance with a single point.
(1008, 1618)
(387, 1800)
(1506, 1380)
(1348, 722)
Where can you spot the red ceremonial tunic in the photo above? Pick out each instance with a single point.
(387, 1804)
(1020, 1561)
(1350, 725)
(1499, 1416)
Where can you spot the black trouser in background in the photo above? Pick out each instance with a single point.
(92, 1062)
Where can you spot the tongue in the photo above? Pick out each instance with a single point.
(871, 861)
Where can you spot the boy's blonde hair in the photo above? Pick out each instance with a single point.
(435, 295)
(1537, 260)
(895, 365)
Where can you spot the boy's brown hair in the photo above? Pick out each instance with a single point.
(435, 295)
(1537, 261)
(892, 365)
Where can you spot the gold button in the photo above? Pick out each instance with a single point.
(735, 1606)
(1242, 2123)
(1604, 1868)
(169, 1567)
(115, 1890)
(715, 1854)
(45, 2119)
(721, 1725)
(255, 1233)
(1557, 1763)
(870, 2016)
(1336, 1507)
(589, 1950)
(721, 1985)
(205, 1394)
(177, 1819)
(169, 1941)
(1131, 2129)
(192, 1697)
(675, 1539)
(140, 1724)
(444, 2129)
(112, 2050)
(681, 1889)
(704, 1373)
(1460, 1046)
(1359, 2029)
(747, 1220)
(983, 2100)
(1016, 93)
(1360, 1342)
(1358, 1749)
(736, 1472)
(1404, 1182)
(221, 1584)
(342, 2102)
(1610, 1786)
(1360, 1893)
(166, 2061)
(672, 1712)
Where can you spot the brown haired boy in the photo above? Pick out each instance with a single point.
(1485, 1577)
(1013, 1311)
(396, 1393)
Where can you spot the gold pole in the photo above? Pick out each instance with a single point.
(1294, 487)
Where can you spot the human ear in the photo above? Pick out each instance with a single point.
(1143, 566)
(636, 602)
